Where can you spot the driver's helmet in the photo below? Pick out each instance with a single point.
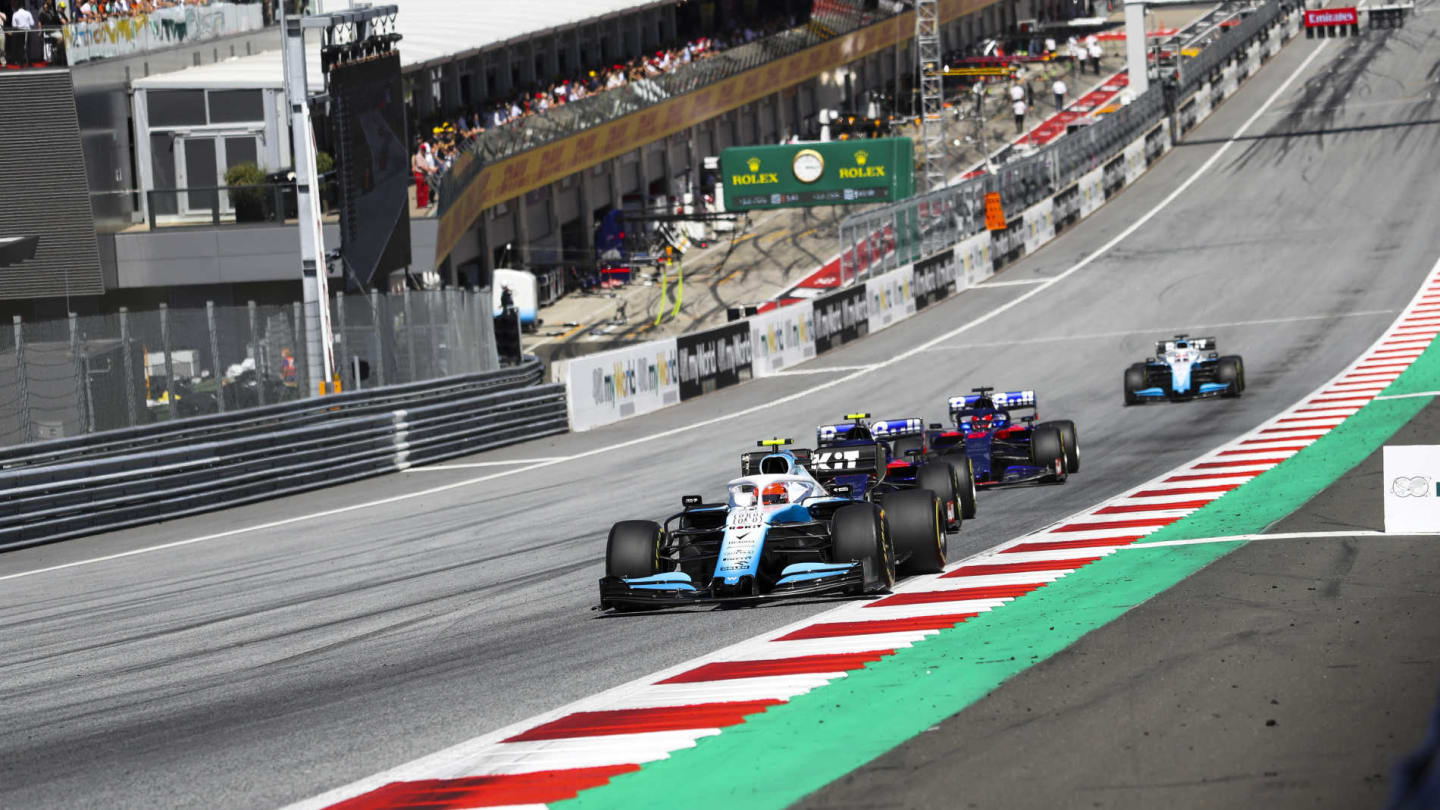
(773, 494)
(984, 418)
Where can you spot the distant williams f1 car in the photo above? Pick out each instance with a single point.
(1184, 368)
(780, 533)
(1004, 449)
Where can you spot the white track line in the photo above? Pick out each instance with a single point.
(763, 407)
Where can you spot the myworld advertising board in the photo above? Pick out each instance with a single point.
(615, 385)
(715, 358)
(806, 174)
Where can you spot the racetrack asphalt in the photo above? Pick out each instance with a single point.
(271, 664)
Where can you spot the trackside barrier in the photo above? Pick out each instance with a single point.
(1043, 194)
(57, 490)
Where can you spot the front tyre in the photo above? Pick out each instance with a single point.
(1047, 450)
(1231, 369)
(1071, 441)
(1134, 381)
(940, 479)
(916, 519)
(633, 549)
(860, 533)
(965, 477)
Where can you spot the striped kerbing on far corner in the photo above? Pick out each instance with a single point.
(584, 745)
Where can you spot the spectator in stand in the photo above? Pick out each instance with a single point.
(422, 178)
(21, 22)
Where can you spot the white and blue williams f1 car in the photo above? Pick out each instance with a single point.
(1184, 368)
(780, 533)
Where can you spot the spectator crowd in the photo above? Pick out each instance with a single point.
(437, 144)
(25, 25)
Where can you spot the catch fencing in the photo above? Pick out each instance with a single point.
(92, 373)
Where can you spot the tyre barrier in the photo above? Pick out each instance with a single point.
(71, 487)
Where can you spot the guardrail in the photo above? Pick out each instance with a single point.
(70, 487)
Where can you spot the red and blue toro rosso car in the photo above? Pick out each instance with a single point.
(878, 459)
(1005, 449)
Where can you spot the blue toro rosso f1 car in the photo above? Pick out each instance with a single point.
(779, 533)
(886, 456)
(1006, 449)
(1184, 368)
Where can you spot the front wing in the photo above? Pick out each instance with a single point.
(618, 592)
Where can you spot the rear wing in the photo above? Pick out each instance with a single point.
(826, 463)
(1009, 400)
(896, 428)
(750, 462)
(1204, 344)
(845, 431)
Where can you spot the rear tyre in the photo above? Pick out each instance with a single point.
(1071, 441)
(965, 475)
(1134, 381)
(633, 549)
(900, 446)
(916, 519)
(1231, 369)
(940, 479)
(860, 532)
(1047, 447)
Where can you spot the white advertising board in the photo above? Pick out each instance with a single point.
(975, 263)
(1092, 191)
(892, 298)
(1134, 160)
(1040, 224)
(619, 384)
(1412, 489)
(782, 337)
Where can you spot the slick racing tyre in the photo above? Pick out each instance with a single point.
(917, 519)
(1231, 369)
(941, 479)
(965, 475)
(633, 549)
(860, 532)
(1134, 381)
(901, 446)
(1047, 446)
(1071, 441)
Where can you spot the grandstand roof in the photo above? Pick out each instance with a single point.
(432, 30)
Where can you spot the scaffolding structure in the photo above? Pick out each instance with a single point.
(932, 119)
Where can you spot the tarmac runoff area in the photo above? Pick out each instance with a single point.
(1292, 672)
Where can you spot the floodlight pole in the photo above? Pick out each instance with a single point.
(318, 349)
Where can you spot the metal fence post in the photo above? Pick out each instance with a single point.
(261, 367)
(22, 407)
(169, 361)
(409, 331)
(337, 329)
(82, 375)
(302, 359)
(379, 346)
(129, 363)
(215, 363)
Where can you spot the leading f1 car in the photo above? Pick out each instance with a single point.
(779, 533)
(1184, 368)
